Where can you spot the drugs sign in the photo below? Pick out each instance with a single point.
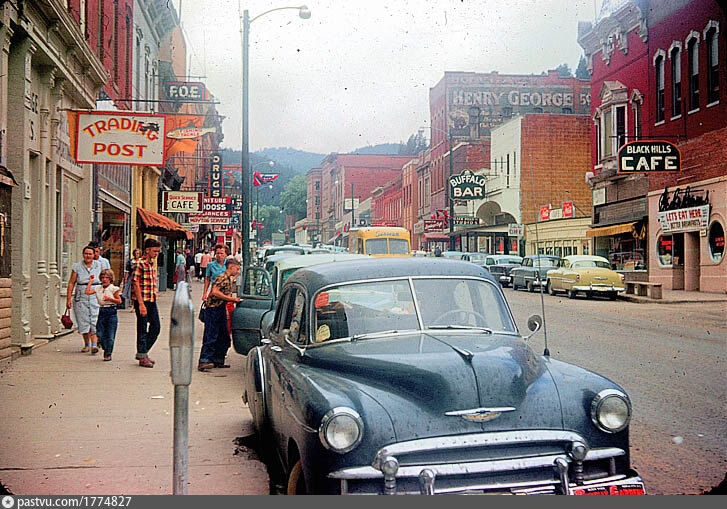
(467, 186)
(215, 177)
(649, 157)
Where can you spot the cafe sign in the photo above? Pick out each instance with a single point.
(467, 186)
(693, 218)
(649, 157)
(182, 201)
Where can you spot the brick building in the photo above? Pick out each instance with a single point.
(655, 74)
(465, 106)
(386, 205)
(344, 176)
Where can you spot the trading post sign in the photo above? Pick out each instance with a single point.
(467, 186)
(120, 138)
(182, 201)
(649, 157)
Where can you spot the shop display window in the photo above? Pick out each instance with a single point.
(716, 241)
(670, 250)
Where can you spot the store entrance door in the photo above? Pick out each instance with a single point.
(692, 261)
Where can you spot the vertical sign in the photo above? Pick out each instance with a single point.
(216, 176)
(567, 208)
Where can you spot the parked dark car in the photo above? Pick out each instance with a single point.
(501, 265)
(409, 376)
(531, 274)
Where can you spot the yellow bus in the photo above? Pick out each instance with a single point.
(379, 241)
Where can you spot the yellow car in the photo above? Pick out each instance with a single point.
(584, 273)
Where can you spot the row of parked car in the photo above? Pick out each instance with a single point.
(409, 375)
(588, 274)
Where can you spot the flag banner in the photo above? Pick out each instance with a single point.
(259, 179)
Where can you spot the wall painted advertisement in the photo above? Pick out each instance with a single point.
(120, 138)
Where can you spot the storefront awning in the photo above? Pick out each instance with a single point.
(435, 237)
(157, 224)
(6, 177)
(607, 231)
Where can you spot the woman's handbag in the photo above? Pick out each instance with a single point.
(201, 312)
(66, 319)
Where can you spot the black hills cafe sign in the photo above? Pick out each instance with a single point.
(467, 186)
(649, 157)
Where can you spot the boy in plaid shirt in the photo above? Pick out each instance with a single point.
(144, 280)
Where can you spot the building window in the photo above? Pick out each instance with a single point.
(676, 82)
(659, 89)
(620, 126)
(716, 242)
(598, 139)
(508, 170)
(607, 134)
(637, 120)
(318, 186)
(670, 250)
(712, 66)
(693, 54)
(507, 111)
(568, 111)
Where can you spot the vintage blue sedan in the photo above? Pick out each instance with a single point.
(406, 376)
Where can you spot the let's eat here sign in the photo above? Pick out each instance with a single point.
(649, 157)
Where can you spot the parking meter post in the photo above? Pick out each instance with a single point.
(181, 351)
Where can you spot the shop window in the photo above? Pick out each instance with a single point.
(558, 251)
(670, 250)
(716, 241)
(549, 250)
(586, 248)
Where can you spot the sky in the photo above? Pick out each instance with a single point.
(358, 72)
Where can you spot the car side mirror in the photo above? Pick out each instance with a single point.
(535, 322)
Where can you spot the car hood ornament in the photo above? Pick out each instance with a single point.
(482, 414)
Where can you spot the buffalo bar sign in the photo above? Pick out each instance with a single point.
(120, 138)
(216, 176)
(182, 201)
(693, 218)
(649, 157)
(185, 91)
(466, 186)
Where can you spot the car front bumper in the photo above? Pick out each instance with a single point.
(552, 471)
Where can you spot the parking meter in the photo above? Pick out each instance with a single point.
(181, 351)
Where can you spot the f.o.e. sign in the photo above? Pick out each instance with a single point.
(649, 157)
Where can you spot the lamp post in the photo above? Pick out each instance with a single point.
(245, 22)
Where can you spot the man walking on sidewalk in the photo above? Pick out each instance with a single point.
(214, 268)
(216, 340)
(145, 279)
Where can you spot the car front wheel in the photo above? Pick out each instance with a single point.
(530, 287)
(572, 294)
(549, 287)
(296, 481)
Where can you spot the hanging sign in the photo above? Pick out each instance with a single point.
(515, 230)
(544, 213)
(215, 178)
(693, 218)
(185, 91)
(120, 138)
(649, 157)
(189, 133)
(203, 219)
(182, 201)
(467, 186)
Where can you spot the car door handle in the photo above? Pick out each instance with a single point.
(276, 349)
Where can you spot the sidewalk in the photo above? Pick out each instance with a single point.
(73, 424)
(677, 297)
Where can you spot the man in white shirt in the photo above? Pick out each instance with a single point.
(105, 264)
(197, 262)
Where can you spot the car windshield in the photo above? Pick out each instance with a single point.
(350, 311)
(512, 259)
(545, 262)
(590, 264)
(398, 246)
(476, 257)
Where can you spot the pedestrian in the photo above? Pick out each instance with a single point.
(127, 292)
(180, 270)
(189, 265)
(216, 339)
(108, 297)
(145, 281)
(105, 264)
(206, 258)
(84, 273)
(198, 264)
(214, 268)
(437, 252)
(238, 256)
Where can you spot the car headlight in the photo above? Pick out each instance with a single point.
(611, 411)
(341, 430)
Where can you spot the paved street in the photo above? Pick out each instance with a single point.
(672, 361)
(74, 424)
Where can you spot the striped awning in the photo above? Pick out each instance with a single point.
(157, 224)
(607, 231)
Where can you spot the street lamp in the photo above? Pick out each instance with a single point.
(245, 22)
(448, 134)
